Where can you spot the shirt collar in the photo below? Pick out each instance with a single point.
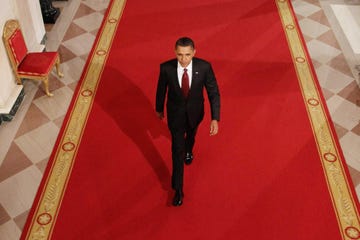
(189, 67)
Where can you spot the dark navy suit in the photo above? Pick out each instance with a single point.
(184, 114)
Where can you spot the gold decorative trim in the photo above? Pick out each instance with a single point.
(331, 159)
(49, 203)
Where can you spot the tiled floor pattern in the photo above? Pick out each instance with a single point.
(335, 65)
(38, 121)
(27, 141)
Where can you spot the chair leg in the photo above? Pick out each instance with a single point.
(46, 85)
(57, 64)
(18, 80)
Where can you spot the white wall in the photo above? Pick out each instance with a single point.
(31, 22)
(28, 13)
(7, 80)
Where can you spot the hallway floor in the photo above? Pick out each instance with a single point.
(330, 28)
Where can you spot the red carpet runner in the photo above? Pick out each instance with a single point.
(275, 171)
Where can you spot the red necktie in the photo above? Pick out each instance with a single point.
(185, 83)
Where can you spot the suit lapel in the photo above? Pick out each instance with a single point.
(174, 75)
(195, 72)
(195, 76)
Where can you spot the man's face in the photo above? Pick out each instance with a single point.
(184, 55)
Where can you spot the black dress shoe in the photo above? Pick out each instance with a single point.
(188, 158)
(178, 198)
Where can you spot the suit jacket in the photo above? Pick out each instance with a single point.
(178, 107)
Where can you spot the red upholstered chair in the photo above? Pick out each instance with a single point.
(30, 65)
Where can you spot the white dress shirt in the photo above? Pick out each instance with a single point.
(180, 72)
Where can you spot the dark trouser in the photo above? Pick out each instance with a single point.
(183, 140)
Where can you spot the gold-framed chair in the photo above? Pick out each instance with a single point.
(29, 65)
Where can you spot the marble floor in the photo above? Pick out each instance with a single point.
(331, 29)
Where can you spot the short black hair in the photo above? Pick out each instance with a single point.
(185, 42)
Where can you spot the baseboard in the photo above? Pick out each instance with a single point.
(7, 117)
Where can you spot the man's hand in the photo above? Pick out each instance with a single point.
(160, 115)
(214, 127)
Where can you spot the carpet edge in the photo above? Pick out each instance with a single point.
(337, 177)
(43, 213)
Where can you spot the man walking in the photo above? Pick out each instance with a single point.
(183, 80)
